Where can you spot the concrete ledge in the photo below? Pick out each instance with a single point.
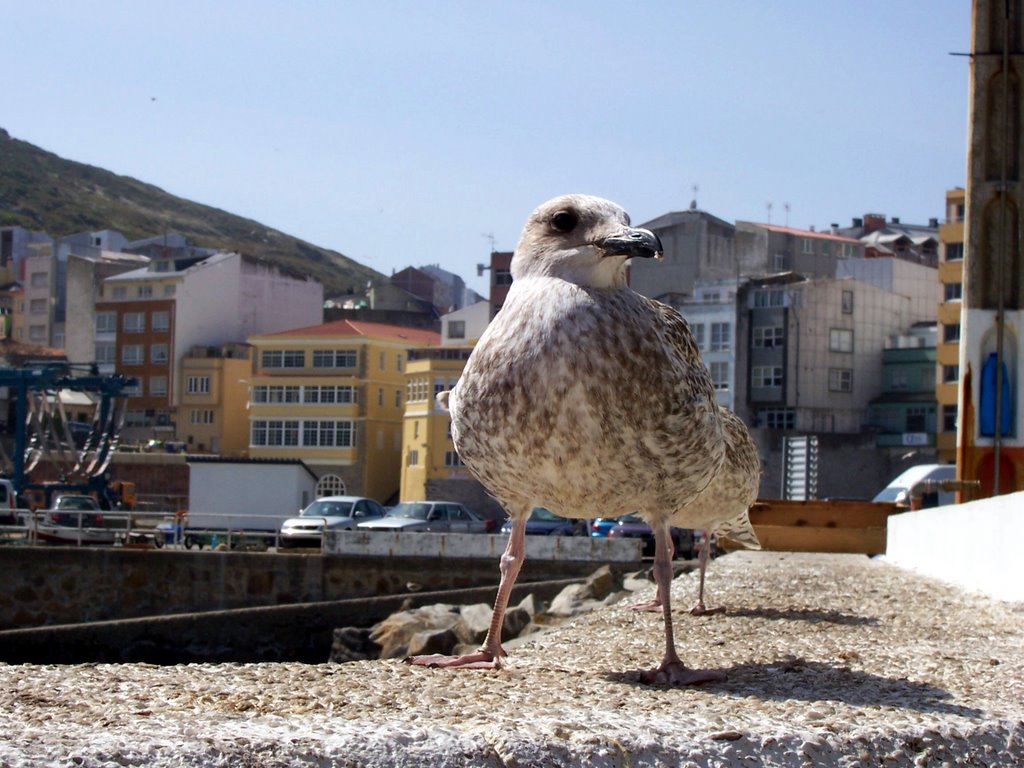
(974, 545)
(484, 546)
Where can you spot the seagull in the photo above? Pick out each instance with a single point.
(582, 394)
(723, 508)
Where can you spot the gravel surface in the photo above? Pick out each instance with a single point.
(831, 660)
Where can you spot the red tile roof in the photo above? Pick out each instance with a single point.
(420, 336)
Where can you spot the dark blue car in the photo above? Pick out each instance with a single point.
(543, 522)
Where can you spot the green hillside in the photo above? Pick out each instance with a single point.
(41, 191)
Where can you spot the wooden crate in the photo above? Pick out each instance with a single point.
(820, 526)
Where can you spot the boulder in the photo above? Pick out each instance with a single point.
(353, 644)
(433, 641)
(394, 633)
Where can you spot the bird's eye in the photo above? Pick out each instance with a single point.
(564, 221)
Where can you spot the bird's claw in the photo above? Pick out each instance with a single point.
(701, 610)
(477, 660)
(677, 674)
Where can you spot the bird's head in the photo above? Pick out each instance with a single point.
(582, 239)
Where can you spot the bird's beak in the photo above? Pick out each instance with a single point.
(631, 242)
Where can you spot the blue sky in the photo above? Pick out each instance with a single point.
(414, 132)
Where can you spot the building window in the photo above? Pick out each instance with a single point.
(145, 292)
(383, 361)
(414, 458)
(398, 398)
(952, 291)
(840, 340)
(39, 280)
(778, 418)
(451, 459)
(37, 333)
(327, 433)
(197, 385)
(106, 353)
(289, 393)
(340, 393)
(806, 245)
(134, 322)
(698, 335)
(720, 375)
(380, 396)
(949, 413)
(38, 306)
(457, 329)
(767, 336)
(950, 373)
(954, 251)
(720, 337)
(201, 416)
(951, 333)
(899, 380)
(161, 321)
(335, 358)
(917, 419)
(769, 297)
(169, 290)
(399, 362)
(158, 353)
(284, 358)
(158, 386)
(106, 322)
(275, 432)
(502, 276)
(766, 376)
(120, 292)
(133, 354)
(847, 302)
(840, 380)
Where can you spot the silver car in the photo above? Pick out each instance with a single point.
(432, 516)
(330, 513)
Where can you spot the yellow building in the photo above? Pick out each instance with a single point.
(428, 454)
(951, 269)
(214, 387)
(333, 396)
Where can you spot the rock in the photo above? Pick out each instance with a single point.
(433, 641)
(516, 620)
(394, 633)
(476, 619)
(529, 604)
(580, 598)
(603, 582)
(353, 644)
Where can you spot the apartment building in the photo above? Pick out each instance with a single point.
(213, 414)
(951, 276)
(334, 396)
(904, 414)
(148, 319)
(809, 352)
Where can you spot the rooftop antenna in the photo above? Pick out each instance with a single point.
(769, 206)
(693, 202)
(785, 207)
(481, 268)
(490, 238)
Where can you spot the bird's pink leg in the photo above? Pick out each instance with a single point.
(671, 671)
(652, 606)
(488, 656)
(705, 552)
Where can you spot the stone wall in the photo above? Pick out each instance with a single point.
(66, 585)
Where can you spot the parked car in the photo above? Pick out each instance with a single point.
(544, 522)
(633, 527)
(900, 487)
(72, 519)
(600, 526)
(432, 516)
(330, 513)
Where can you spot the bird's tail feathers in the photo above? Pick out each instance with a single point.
(740, 530)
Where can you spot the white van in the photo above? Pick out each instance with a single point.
(898, 490)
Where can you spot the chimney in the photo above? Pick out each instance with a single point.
(895, 219)
(858, 223)
(933, 223)
(873, 222)
(835, 227)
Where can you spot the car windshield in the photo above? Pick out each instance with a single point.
(889, 494)
(328, 509)
(414, 511)
(71, 502)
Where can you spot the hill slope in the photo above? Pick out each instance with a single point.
(41, 191)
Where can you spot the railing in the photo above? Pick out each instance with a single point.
(142, 529)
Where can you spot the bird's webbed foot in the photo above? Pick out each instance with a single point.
(650, 606)
(675, 673)
(701, 610)
(480, 659)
